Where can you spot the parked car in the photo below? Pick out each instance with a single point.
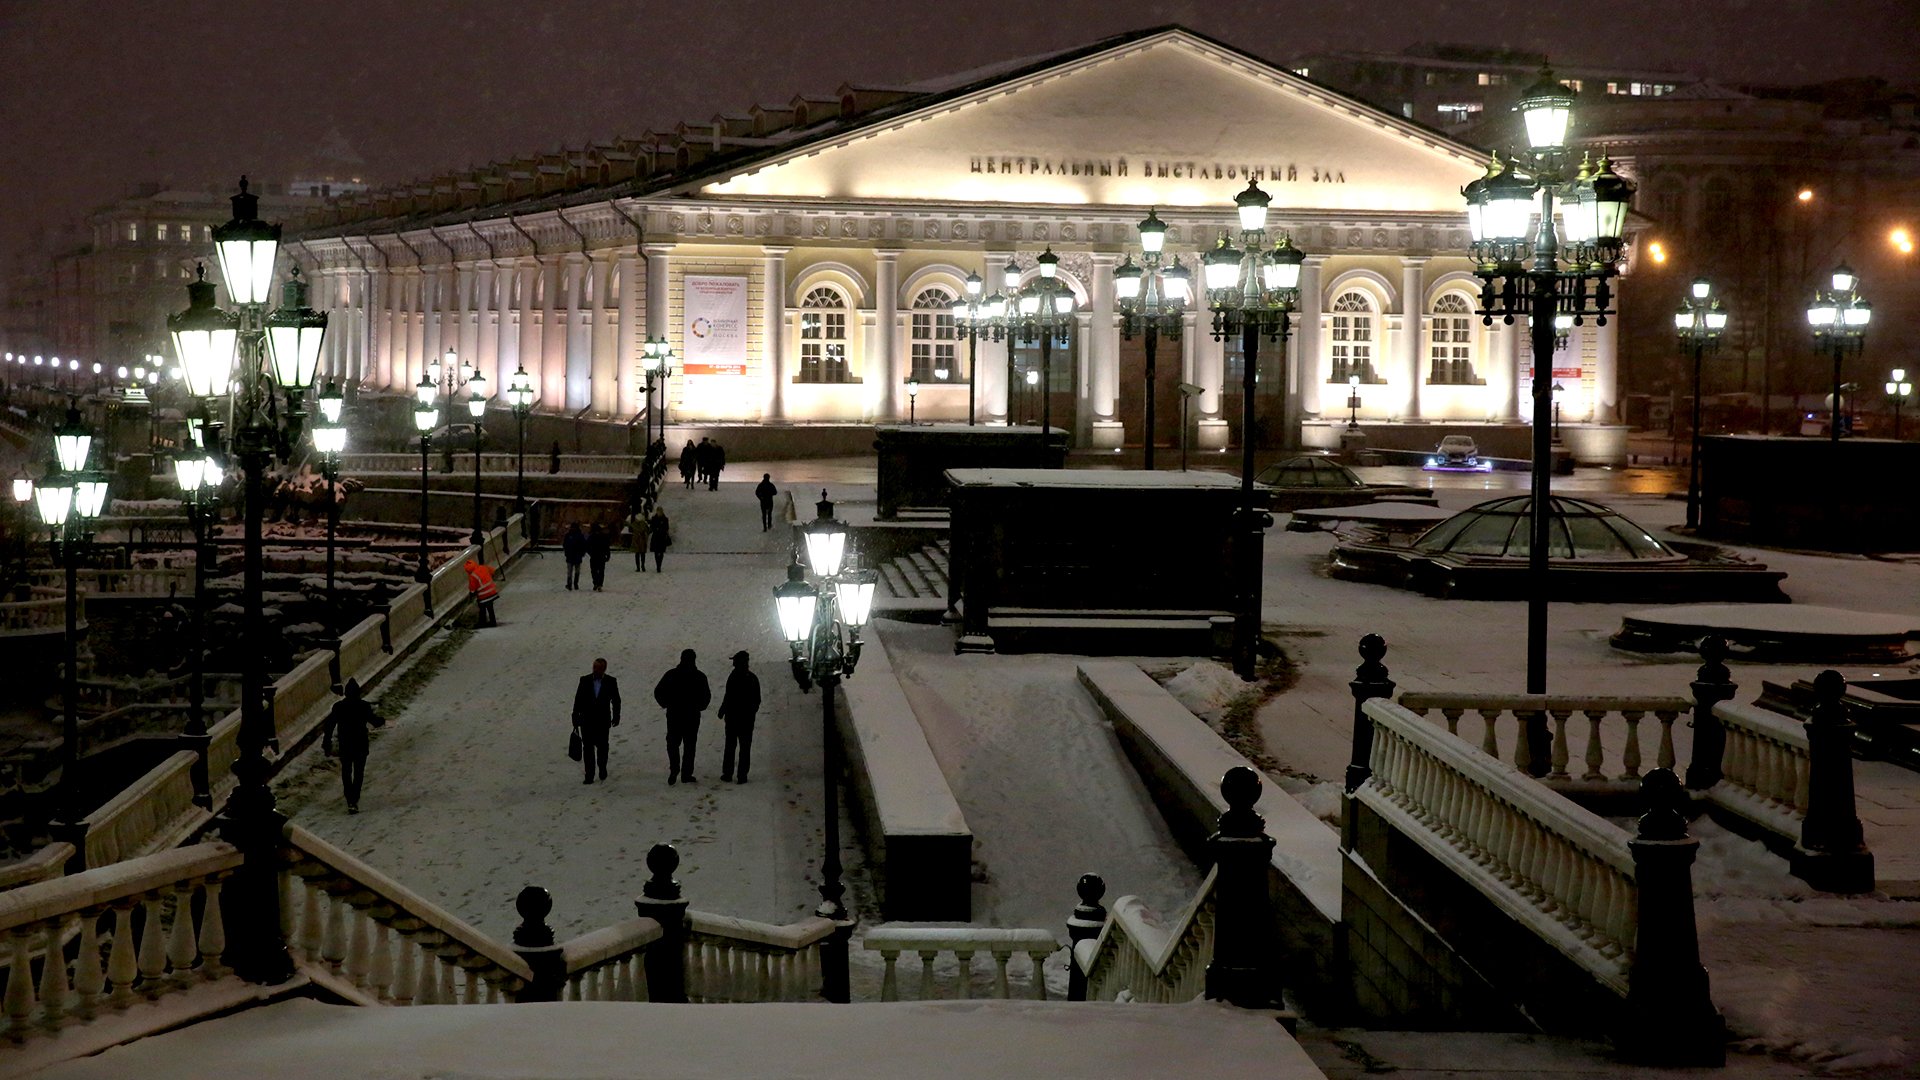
(1308, 481)
(1457, 452)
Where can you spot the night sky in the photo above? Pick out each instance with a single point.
(98, 95)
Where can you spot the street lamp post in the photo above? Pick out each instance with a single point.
(1353, 402)
(822, 629)
(329, 441)
(1251, 293)
(277, 352)
(69, 498)
(1155, 301)
(1570, 279)
(977, 313)
(425, 416)
(1839, 320)
(450, 373)
(199, 478)
(1039, 311)
(1898, 391)
(656, 363)
(913, 401)
(520, 399)
(1699, 321)
(477, 409)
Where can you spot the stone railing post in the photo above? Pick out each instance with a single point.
(835, 981)
(660, 900)
(1244, 968)
(533, 940)
(1088, 917)
(1670, 1018)
(1832, 855)
(1370, 680)
(1712, 684)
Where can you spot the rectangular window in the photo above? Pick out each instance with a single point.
(1574, 85)
(823, 347)
(1459, 112)
(1302, 72)
(1352, 348)
(1451, 351)
(160, 231)
(933, 349)
(130, 232)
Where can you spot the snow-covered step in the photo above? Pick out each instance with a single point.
(895, 584)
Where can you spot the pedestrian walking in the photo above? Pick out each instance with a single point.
(765, 491)
(553, 459)
(480, 585)
(659, 536)
(738, 704)
(638, 524)
(683, 692)
(599, 550)
(716, 461)
(596, 711)
(703, 460)
(349, 720)
(574, 546)
(689, 462)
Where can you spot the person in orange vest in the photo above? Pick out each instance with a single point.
(485, 592)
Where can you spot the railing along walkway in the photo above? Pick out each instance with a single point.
(1139, 957)
(1609, 730)
(964, 943)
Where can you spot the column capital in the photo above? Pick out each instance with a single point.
(1315, 262)
(774, 250)
(1411, 261)
(1106, 258)
(651, 250)
(887, 255)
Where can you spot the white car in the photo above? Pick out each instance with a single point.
(1455, 452)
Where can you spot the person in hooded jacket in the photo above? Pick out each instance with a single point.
(683, 692)
(484, 591)
(347, 726)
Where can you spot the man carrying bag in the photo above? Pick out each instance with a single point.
(596, 710)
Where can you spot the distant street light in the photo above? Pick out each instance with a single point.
(1898, 391)
(1699, 322)
(520, 400)
(1839, 318)
(1154, 301)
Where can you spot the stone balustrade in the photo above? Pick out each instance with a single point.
(1139, 957)
(47, 615)
(1765, 768)
(173, 943)
(609, 964)
(1611, 745)
(739, 960)
(152, 813)
(1563, 870)
(382, 943)
(495, 462)
(47, 864)
(964, 943)
(139, 582)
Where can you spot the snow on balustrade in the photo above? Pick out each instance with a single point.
(740, 960)
(148, 811)
(1609, 730)
(964, 942)
(38, 616)
(1564, 870)
(381, 942)
(608, 964)
(167, 951)
(1139, 958)
(1765, 767)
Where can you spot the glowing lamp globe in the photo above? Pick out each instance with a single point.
(853, 592)
(246, 248)
(205, 340)
(794, 602)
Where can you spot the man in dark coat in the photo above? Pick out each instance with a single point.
(703, 458)
(659, 536)
(596, 710)
(684, 693)
(716, 461)
(349, 720)
(737, 706)
(574, 547)
(599, 550)
(765, 491)
(689, 463)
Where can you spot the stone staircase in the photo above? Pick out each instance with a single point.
(917, 575)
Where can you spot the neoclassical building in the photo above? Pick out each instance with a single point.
(801, 258)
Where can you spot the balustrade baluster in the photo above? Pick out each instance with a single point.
(1766, 770)
(1453, 720)
(1630, 754)
(180, 935)
(493, 992)
(1802, 780)
(405, 974)
(1596, 750)
(1664, 757)
(312, 923)
(640, 990)
(1524, 722)
(573, 987)
(1489, 737)
(445, 990)
(623, 979)
(153, 944)
(380, 975)
(359, 959)
(333, 944)
(53, 973)
(766, 990)
(122, 969)
(1038, 991)
(926, 974)
(427, 979)
(20, 1001)
(1000, 957)
(1557, 757)
(470, 986)
(289, 883)
(88, 978)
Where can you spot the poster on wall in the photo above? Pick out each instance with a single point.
(714, 327)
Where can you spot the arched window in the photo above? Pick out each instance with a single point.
(1353, 337)
(1716, 204)
(1451, 342)
(1664, 200)
(933, 337)
(823, 338)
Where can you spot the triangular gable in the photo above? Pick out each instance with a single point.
(1170, 120)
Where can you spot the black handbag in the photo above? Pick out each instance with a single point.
(573, 745)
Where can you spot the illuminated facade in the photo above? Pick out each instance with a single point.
(801, 258)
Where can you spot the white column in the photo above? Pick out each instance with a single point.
(573, 360)
(659, 267)
(1208, 362)
(773, 331)
(527, 352)
(1606, 372)
(375, 368)
(415, 281)
(1413, 306)
(1311, 301)
(884, 365)
(626, 349)
(1510, 352)
(990, 389)
(463, 338)
(506, 350)
(602, 385)
(486, 343)
(431, 304)
(1103, 357)
(393, 327)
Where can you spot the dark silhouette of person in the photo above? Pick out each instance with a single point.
(574, 546)
(683, 692)
(703, 459)
(553, 459)
(765, 491)
(638, 524)
(716, 461)
(659, 536)
(738, 704)
(349, 720)
(689, 463)
(596, 710)
(599, 550)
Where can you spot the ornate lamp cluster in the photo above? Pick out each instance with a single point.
(1152, 298)
(656, 367)
(972, 313)
(1036, 312)
(1839, 316)
(520, 400)
(1699, 322)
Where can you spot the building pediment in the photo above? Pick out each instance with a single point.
(1169, 120)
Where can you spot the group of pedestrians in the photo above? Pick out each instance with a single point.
(683, 693)
(594, 547)
(702, 463)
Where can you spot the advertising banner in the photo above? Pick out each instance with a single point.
(714, 331)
